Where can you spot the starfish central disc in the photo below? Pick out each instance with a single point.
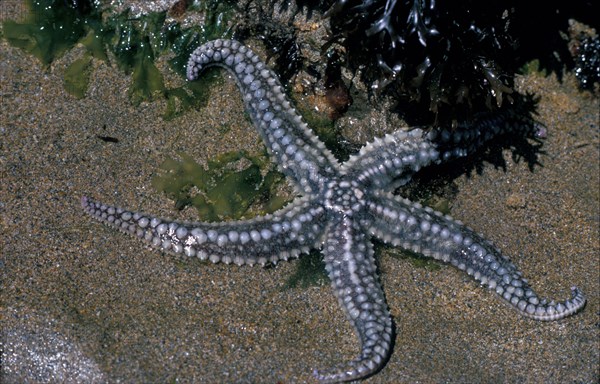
(343, 197)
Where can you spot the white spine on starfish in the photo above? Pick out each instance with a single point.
(400, 222)
(298, 152)
(287, 233)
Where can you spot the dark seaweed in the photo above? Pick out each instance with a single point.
(587, 63)
(445, 61)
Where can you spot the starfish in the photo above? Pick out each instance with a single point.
(340, 208)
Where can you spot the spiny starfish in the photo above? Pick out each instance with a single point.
(340, 208)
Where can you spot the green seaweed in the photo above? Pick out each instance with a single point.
(147, 81)
(53, 27)
(77, 76)
(50, 29)
(310, 272)
(183, 42)
(532, 67)
(94, 43)
(226, 189)
(137, 42)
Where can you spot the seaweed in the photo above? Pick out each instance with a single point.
(587, 63)
(310, 271)
(443, 58)
(584, 46)
(280, 40)
(445, 62)
(53, 27)
(77, 77)
(226, 189)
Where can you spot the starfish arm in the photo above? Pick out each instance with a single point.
(390, 161)
(286, 233)
(400, 222)
(297, 151)
(471, 136)
(349, 261)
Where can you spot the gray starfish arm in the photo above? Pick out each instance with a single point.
(390, 161)
(298, 153)
(400, 222)
(351, 267)
(286, 233)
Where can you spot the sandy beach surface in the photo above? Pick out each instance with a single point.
(81, 302)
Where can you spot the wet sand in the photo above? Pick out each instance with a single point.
(83, 303)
